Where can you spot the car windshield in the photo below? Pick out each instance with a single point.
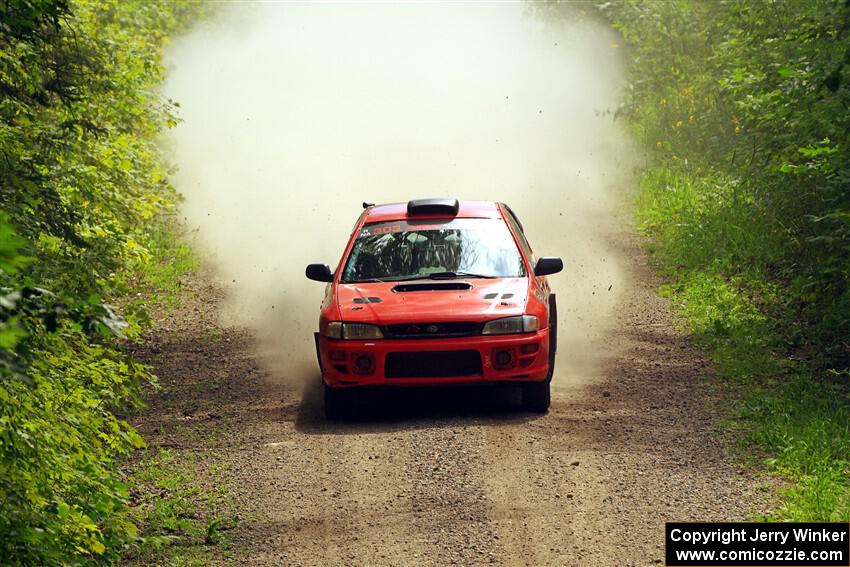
(401, 250)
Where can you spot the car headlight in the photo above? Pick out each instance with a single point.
(519, 324)
(354, 331)
(359, 331)
(334, 330)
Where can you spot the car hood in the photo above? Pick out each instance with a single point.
(386, 303)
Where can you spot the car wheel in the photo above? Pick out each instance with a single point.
(536, 396)
(337, 403)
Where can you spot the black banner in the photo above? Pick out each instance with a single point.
(740, 544)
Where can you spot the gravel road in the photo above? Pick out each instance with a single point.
(458, 477)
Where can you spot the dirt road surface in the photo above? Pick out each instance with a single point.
(458, 477)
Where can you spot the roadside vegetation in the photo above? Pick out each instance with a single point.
(85, 223)
(184, 505)
(742, 112)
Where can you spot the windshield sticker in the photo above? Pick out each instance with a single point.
(381, 228)
(385, 229)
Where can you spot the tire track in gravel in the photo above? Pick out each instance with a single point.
(539, 500)
(336, 497)
(449, 500)
(385, 492)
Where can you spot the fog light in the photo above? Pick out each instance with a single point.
(529, 348)
(364, 364)
(503, 358)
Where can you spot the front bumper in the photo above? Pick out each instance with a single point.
(434, 361)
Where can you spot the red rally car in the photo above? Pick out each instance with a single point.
(436, 292)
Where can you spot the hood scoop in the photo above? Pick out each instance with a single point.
(433, 286)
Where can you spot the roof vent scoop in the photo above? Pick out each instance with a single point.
(432, 207)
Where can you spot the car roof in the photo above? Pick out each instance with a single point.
(466, 209)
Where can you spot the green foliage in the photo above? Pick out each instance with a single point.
(805, 425)
(742, 112)
(82, 184)
(157, 277)
(182, 498)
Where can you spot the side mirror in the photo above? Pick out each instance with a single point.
(548, 265)
(319, 273)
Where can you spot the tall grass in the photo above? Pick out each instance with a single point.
(797, 421)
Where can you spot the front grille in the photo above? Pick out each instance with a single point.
(432, 330)
(433, 364)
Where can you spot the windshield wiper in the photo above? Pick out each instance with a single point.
(387, 279)
(454, 275)
(432, 275)
(406, 278)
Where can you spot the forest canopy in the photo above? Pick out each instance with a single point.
(743, 113)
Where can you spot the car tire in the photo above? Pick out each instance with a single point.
(553, 335)
(338, 403)
(536, 396)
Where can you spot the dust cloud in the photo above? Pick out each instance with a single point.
(294, 114)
